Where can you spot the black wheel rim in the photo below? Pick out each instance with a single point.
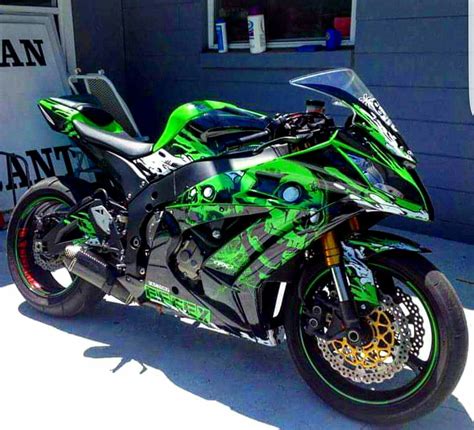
(39, 281)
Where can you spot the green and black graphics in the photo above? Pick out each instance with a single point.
(256, 227)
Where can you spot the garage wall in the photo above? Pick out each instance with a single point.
(163, 40)
(412, 54)
(167, 64)
(98, 26)
(415, 58)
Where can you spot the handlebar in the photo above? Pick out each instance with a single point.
(256, 136)
(272, 126)
(260, 148)
(275, 123)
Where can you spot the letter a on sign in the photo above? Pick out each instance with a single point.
(32, 67)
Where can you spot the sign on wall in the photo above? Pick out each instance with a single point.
(32, 67)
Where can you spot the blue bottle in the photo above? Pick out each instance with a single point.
(221, 31)
(333, 39)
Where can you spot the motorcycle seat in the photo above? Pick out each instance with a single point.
(87, 105)
(119, 143)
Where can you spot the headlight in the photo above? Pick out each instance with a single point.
(376, 175)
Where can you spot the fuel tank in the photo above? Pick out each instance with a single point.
(206, 128)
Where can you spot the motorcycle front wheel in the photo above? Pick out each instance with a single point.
(417, 352)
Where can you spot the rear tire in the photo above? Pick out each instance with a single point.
(453, 346)
(80, 296)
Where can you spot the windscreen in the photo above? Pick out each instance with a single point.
(348, 90)
(339, 81)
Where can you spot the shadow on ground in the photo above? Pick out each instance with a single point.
(255, 381)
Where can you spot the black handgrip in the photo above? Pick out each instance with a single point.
(274, 124)
(255, 136)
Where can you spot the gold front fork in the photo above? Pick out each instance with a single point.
(331, 246)
(333, 258)
(331, 249)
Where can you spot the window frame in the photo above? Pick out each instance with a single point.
(63, 11)
(212, 43)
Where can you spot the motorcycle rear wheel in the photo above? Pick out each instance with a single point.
(373, 403)
(59, 295)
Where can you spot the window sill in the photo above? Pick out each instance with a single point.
(277, 59)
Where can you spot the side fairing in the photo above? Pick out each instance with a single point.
(274, 230)
(280, 231)
(294, 199)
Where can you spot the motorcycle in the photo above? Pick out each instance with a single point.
(258, 227)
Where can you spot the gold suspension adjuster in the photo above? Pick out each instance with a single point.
(331, 249)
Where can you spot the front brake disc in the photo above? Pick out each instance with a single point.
(385, 355)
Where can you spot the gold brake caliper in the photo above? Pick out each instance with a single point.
(374, 353)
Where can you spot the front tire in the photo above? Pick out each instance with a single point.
(39, 287)
(442, 372)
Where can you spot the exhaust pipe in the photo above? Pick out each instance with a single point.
(92, 269)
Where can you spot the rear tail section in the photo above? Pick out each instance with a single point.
(61, 112)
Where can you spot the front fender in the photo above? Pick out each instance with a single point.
(359, 248)
(372, 243)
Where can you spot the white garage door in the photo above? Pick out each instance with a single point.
(33, 65)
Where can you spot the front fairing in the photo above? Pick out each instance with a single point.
(358, 175)
(376, 165)
(376, 181)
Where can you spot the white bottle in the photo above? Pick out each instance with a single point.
(257, 38)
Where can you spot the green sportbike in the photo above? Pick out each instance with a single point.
(259, 227)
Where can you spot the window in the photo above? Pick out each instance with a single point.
(60, 10)
(37, 3)
(288, 23)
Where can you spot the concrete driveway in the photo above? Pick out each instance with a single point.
(126, 367)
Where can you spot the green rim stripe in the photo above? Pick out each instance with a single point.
(434, 360)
